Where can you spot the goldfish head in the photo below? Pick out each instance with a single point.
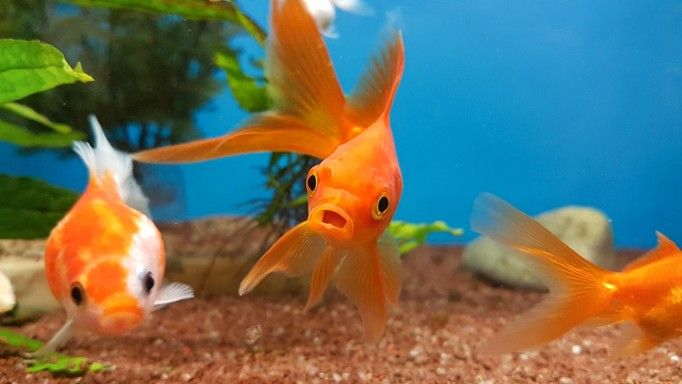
(353, 194)
(114, 293)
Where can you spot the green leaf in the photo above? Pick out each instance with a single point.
(31, 208)
(411, 235)
(31, 114)
(28, 67)
(250, 95)
(55, 363)
(23, 137)
(192, 9)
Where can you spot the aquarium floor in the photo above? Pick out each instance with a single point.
(432, 338)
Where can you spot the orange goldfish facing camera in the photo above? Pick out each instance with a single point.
(105, 260)
(353, 193)
(646, 295)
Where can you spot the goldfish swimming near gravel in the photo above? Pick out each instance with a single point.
(353, 193)
(646, 295)
(324, 12)
(105, 260)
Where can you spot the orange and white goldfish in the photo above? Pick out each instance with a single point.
(324, 12)
(353, 193)
(646, 295)
(104, 261)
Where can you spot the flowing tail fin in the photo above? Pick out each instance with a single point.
(105, 161)
(578, 288)
(310, 113)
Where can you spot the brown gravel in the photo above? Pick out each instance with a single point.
(444, 314)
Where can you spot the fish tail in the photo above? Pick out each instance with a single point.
(294, 254)
(370, 277)
(579, 290)
(106, 164)
(310, 114)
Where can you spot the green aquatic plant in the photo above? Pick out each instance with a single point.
(412, 235)
(28, 67)
(30, 208)
(56, 363)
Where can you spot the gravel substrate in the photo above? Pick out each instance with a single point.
(443, 316)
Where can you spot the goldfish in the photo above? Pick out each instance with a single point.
(324, 12)
(646, 296)
(352, 193)
(105, 260)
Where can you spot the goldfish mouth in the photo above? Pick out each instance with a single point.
(333, 218)
(329, 220)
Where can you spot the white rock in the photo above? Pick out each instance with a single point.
(27, 275)
(7, 299)
(586, 230)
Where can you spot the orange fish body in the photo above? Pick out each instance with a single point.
(646, 295)
(353, 193)
(104, 260)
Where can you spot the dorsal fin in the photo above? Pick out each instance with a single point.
(374, 93)
(103, 160)
(665, 248)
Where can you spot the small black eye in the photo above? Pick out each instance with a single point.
(148, 282)
(311, 183)
(382, 205)
(77, 294)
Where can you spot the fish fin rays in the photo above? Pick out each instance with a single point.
(301, 77)
(172, 293)
(371, 281)
(665, 248)
(266, 132)
(578, 288)
(294, 254)
(322, 274)
(374, 94)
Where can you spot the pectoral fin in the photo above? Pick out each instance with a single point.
(295, 254)
(172, 293)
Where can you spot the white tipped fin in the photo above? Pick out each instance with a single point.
(172, 293)
(354, 6)
(59, 339)
(104, 158)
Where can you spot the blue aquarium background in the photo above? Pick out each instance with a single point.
(542, 103)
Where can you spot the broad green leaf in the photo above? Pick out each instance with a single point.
(25, 138)
(28, 67)
(411, 235)
(31, 208)
(192, 9)
(55, 363)
(250, 95)
(31, 114)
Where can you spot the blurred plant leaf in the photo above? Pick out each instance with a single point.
(28, 67)
(55, 363)
(31, 208)
(23, 137)
(249, 93)
(192, 9)
(31, 114)
(412, 235)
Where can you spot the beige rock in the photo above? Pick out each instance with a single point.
(586, 230)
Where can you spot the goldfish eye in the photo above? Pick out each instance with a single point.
(77, 293)
(148, 283)
(381, 207)
(311, 183)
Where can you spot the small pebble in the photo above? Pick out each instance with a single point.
(576, 349)
(565, 380)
